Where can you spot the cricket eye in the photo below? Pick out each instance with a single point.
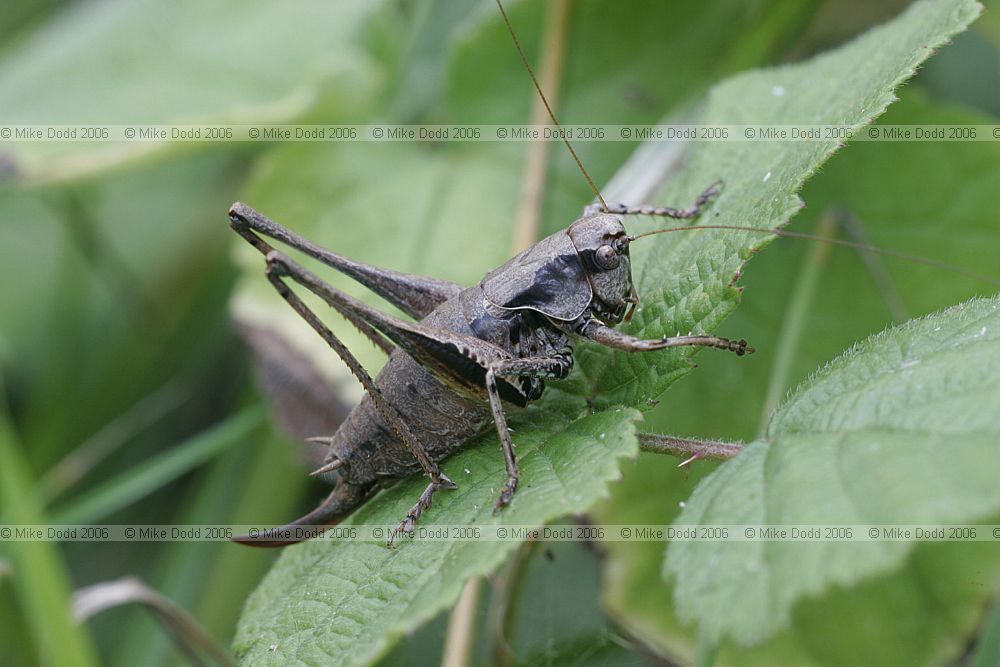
(606, 257)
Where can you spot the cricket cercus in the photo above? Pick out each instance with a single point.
(469, 351)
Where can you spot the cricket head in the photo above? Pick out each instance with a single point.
(602, 245)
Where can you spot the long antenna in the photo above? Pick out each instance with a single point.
(841, 242)
(552, 115)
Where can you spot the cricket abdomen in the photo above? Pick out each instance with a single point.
(442, 419)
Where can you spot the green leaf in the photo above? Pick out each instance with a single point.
(687, 282)
(988, 651)
(946, 213)
(922, 398)
(228, 62)
(96, 505)
(349, 601)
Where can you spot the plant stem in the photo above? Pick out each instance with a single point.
(505, 603)
(462, 626)
(688, 448)
(529, 213)
(787, 345)
(876, 267)
(189, 636)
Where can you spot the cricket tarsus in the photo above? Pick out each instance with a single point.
(423, 503)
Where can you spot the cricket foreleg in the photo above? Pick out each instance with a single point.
(557, 367)
(279, 266)
(662, 211)
(609, 337)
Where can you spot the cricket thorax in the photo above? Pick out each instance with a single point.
(533, 336)
(523, 333)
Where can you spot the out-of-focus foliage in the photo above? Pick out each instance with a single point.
(843, 306)
(116, 344)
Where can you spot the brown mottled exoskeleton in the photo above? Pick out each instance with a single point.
(469, 352)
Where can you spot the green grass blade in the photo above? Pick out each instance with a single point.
(39, 573)
(130, 486)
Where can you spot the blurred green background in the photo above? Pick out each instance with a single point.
(129, 396)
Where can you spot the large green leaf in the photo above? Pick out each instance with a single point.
(348, 601)
(946, 214)
(687, 283)
(901, 430)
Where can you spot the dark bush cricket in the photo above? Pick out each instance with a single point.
(470, 351)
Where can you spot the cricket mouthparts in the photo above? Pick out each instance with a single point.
(238, 211)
